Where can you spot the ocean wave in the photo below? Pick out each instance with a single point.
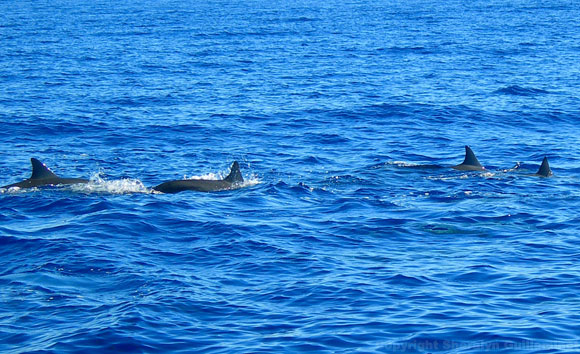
(516, 90)
(353, 234)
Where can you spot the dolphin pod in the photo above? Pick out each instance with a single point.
(43, 176)
(471, 163)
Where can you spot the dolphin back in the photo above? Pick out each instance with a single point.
(470, 163)
(470, 158)
(43, 176)
(40, 171)
(235, 175)
(545, 170)
(200, 185)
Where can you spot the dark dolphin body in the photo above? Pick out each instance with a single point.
(470, 163)
(544, 170)
(203, 185)
(42, 176)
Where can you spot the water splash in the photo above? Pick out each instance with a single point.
(121, 186)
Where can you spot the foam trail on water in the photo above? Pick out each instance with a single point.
(14, 190)
(207, 176)
(120, 186)
(249, 180)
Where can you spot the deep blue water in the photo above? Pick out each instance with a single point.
(351, 233)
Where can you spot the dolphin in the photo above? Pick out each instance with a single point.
(43, 176)
(544, 170)
(203, 185)
(470, 163)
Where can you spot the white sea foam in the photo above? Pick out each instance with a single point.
(403, 164)
(249, 181)
(207, 176)
(120, 186)
(462, 176)
(11, 190)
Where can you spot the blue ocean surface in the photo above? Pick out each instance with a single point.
(350, 234)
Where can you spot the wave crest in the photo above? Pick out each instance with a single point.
(516, 90)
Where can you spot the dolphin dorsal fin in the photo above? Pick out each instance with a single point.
(40, 171)
(235, 175)
(470, 158)
(545, 170)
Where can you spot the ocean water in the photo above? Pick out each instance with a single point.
(351, 233)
